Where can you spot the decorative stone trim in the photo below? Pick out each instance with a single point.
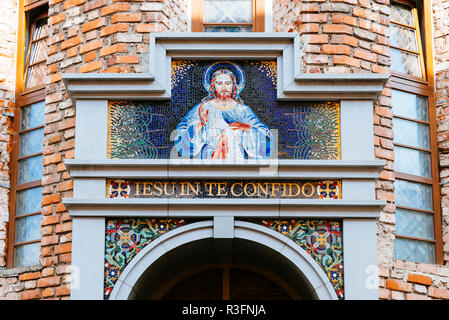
(274, 208)
(151, 168)
(284, 47)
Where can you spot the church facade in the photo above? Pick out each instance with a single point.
(224, 150)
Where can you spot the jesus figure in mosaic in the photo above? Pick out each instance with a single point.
(221, 126)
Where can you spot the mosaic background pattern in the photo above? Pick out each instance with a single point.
(322, 239)
(125, 238)
(143, 129)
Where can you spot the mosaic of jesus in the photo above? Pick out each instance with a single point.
(221, 125)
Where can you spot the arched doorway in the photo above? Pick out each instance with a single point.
(256, 256)
(217, 269)
(227, 282)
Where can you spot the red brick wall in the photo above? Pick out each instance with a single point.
(85, 36)
(407, 280)
(414, 281)
(343, 36)
(351, 36)
(441, 47)
(8, 47)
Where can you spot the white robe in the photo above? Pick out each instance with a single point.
(194, 140)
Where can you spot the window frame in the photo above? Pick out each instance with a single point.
(420, 51)
(423, 90)
(27, 53)
(258, 24)
(23, 98)
(423, 87)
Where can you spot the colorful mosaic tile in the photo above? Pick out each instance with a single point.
(329, 189)
(322, 240)
(125, 238)
(118, 188)
(183, 127)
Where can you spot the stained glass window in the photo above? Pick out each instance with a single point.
(415, 239)
(406, 52)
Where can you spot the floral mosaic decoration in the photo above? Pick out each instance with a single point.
(125, 238)
(322, 240)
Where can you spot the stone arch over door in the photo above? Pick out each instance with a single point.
(200, 232)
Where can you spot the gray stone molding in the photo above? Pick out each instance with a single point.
(284, 47)
(112, 85)
(360, 259)
(87, 272)
(263, 169)
(336, 86)
(273, 208)
(91, 129)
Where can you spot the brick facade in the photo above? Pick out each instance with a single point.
(8, 46)
(401, 280)
(84, 36)
(350, 36)
(441, 43)
(343, 36)
(338, 36)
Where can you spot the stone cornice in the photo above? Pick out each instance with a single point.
(263, 169)
(201, 208)
(284, 47)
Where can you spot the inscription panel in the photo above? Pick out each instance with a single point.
(307, 189)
